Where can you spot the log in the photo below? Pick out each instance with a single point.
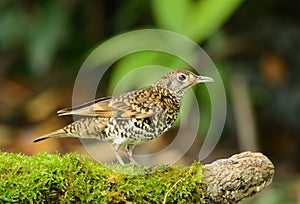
(238, 177)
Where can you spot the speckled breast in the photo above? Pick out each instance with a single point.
(139, 130)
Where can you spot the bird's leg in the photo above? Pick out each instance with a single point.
(116, 151)
(128, 153)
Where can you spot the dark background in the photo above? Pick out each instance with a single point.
(254, 44)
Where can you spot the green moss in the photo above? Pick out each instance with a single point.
(73, 178)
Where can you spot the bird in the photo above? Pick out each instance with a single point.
(131, 118)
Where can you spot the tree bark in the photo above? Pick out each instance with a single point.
(238, 177)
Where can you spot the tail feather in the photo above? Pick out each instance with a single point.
(55, 134)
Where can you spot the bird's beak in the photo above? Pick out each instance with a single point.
(204, 79)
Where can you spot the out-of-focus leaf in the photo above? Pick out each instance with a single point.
(46, 36)
(11, 22)
(170, 14)
(42, 32)
(194, 19)
(206, 16)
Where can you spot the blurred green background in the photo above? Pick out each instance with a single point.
(254, 44)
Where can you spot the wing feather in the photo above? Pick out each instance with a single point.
(89, 108)
(121, 107)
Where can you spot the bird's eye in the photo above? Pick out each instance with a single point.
(181, 77)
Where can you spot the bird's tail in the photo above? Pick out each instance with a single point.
(56, 134)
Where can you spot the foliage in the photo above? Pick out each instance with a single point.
(42, 33)
(50, 178)
(193, 19)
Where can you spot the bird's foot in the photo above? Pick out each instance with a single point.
(128, 154)
(119, 158)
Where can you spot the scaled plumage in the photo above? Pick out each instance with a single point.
(133, 117)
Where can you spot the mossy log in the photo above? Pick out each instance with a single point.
(73, 178)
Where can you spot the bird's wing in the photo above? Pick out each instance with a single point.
(108, 107)
(98, 107)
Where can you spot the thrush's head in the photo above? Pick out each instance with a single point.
(178, 81)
